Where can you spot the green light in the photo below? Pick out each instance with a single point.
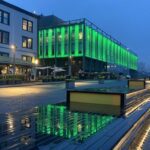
(58, 121)
(68, 40)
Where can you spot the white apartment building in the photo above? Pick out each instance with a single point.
(17, 27)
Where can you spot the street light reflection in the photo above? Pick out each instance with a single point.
(10, 123)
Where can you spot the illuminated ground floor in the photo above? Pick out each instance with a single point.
(77, 64)
(8, 66)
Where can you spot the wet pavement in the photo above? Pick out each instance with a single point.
(49, 124)
(19, 98)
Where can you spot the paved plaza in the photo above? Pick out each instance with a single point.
(16, 98)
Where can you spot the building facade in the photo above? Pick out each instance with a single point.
(17, 27)
(83, 45)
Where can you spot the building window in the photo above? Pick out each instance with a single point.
(27, 25)
(1, 37)
(73, 36)
(27, 42)
(30, 26)
(4, 37)
(41, 49)
(24, 58)
(4, 17)
(59, 49)
(80, 36)
(4, 54)
(80, 47)
(72, 48)
(53, 49)
(27, 58)
(1, 16)
(46, 49)
(59, 37)
(66, 49)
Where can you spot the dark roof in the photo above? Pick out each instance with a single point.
(17, 8)
(49, 21)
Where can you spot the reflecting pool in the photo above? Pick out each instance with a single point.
(58, 121)
(50, 124)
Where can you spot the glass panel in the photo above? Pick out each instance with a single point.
(68, 40)
(30, 26)
(25, 25)
(6, 18)
(24, 42)
(0, 16)
(0, 36)
(30, 43)
(24, 58)
(5, 38)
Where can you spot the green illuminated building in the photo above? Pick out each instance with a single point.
(82, 45)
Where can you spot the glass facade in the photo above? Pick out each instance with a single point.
(79, 40)
(61, 42)
(104, 49)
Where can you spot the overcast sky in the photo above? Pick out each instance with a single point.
(126, 20)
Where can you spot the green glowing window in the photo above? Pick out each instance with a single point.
(65, 41)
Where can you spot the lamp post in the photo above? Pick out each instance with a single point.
(35, 70)
(14, 48)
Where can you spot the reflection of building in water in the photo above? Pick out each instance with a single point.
(47, 124)
(17, 130)
(58, 121)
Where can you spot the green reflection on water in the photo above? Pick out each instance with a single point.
(58, 121)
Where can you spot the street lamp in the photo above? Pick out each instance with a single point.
(36, 62)
(14, 48)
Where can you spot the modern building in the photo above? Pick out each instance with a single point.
(81, 45)
(18, 27)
